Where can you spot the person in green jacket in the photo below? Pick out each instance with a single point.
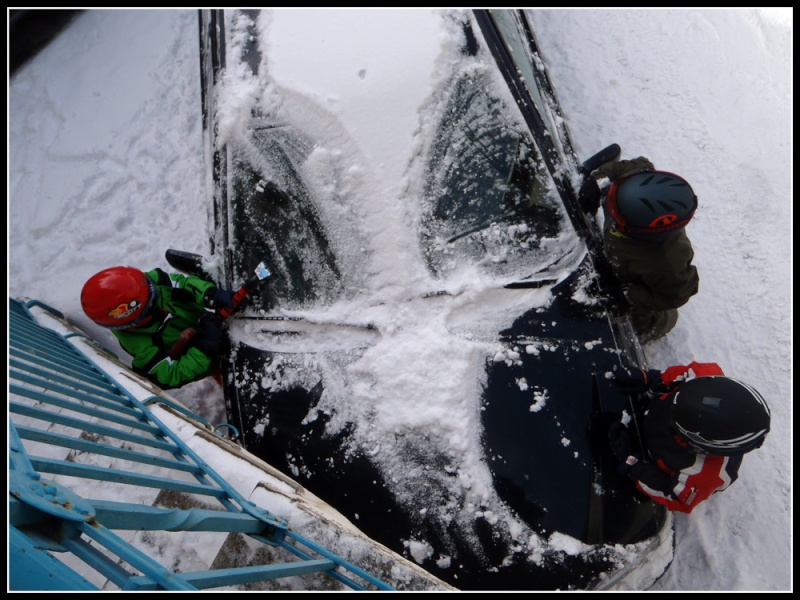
(646, 213)
(166, 322)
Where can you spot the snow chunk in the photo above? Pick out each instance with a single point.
(420, 551)
(591, 344)
(539, 400)
(567, 544)
(444, 562)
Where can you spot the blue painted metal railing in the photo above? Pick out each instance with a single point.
(68, 419)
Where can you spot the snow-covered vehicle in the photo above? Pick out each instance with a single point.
(450, 403)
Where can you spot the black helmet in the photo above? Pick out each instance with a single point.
(720, 415)
(651, 203)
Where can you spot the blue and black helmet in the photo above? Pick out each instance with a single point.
(651, 204)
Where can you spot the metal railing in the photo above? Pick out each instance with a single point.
(71, 421)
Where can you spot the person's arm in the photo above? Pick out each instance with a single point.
(693, 369)
(205, 293)
(683, 491)
(199, 290)
(657, 481)
(152, 360)
(653, 481)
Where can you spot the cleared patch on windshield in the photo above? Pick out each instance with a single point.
(275, 220)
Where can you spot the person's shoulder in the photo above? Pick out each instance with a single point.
(640, 162)
(159, 277)
(620, 169)
(704, 369)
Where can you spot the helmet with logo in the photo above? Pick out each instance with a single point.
(651, 204)
(720, 415)
(118, 298)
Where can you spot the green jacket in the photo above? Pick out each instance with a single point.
(658, 276)
(179, 304)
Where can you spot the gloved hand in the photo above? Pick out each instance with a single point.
(633, 380)
(619, 439)
(219, 298)
(210, 338)
(589, 196)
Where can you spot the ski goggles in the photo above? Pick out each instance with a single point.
(147, 311)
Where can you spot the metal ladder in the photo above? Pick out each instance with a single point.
(90, 435)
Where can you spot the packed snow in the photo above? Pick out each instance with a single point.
(106, 168)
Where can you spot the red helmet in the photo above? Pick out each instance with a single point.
(119, 297)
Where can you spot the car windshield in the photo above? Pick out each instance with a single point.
(488, 202)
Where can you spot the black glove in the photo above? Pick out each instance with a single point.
(619, 439)
(589, 196)
(638, 381)
(625, 466)
(218, 298)
(210, 338)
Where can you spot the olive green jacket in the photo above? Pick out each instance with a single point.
(658, 276)
(179, 304)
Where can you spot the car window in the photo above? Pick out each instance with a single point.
(509, 26)
(489, 201)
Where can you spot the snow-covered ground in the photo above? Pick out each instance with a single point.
(106, 168)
